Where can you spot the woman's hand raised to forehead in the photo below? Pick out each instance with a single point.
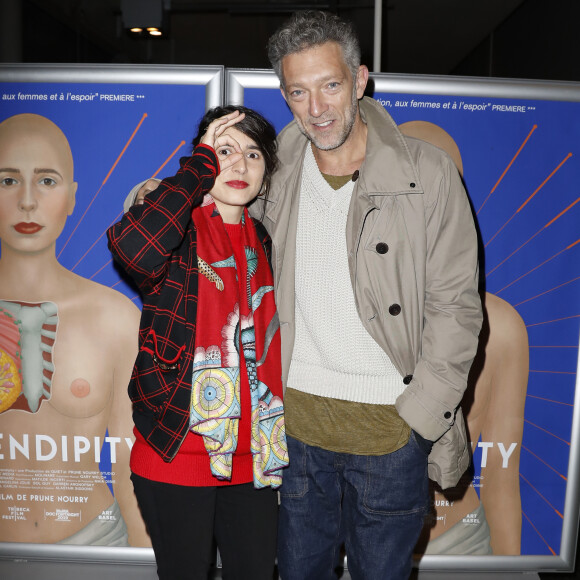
(214, 137)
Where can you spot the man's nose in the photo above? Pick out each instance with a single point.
(317, 106)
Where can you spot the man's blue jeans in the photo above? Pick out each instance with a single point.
(374, 504)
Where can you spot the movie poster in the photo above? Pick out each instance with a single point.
(520, 161)
(73, 143)
(518, 152)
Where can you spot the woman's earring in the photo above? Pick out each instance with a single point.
(262, 191)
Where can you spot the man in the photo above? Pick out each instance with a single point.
(375, 261)
(67, 347)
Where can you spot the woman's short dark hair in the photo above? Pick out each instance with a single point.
(254, 126)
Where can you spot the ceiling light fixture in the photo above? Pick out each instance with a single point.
(145, 18)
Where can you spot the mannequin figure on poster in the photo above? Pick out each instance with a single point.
(463, 521)
(67, 346)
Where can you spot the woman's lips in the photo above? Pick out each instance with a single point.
(237, 184)
(27, 227)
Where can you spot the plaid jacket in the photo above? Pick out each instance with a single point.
(155, 243)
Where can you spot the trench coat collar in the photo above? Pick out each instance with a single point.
(386, 148)
(387, 154)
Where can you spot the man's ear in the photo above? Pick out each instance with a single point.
(72, 197)
(362, 78)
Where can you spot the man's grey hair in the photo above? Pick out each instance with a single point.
(308, 28)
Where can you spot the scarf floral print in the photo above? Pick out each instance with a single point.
(254, 328)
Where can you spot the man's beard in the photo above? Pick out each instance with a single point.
(346, 130)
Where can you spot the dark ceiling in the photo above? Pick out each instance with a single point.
(507, 38)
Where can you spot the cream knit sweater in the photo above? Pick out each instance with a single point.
(334, 356)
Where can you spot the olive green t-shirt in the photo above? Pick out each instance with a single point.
(344, 426)
(336, 181)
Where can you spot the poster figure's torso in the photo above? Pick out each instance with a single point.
(52, 484)
(493, 404)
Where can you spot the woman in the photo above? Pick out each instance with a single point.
(206, 386)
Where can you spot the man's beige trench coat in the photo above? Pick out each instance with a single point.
(412, 252)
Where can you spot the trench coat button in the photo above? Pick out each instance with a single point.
(355, 175)
(447, 414)
(382, 248)
(407, 379)
(412, 185)
(394, 309)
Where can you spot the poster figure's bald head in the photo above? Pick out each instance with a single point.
(36, 129)
(436, 136)
(37, 188)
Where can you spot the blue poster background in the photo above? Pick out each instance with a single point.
(115, 144)
(521, 164)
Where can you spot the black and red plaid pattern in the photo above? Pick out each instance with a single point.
(155, 243)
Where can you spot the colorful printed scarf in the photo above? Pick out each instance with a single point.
(215, 403)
